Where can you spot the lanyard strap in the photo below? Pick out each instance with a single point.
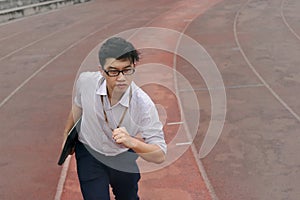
(124, 112)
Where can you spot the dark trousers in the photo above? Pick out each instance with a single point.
(95, 177)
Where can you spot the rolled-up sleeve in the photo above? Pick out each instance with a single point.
(77, 91)
(151, 128)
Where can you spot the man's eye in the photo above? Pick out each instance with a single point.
(113, 71)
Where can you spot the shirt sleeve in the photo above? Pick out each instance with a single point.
(77, 92)
(151, 127)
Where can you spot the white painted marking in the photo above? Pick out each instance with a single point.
(174, 123)
(183, 143)
(285, 21)
(10, 36)
(235, 49)
(254, 70)
(197, 159)
(204, 174)
(51, 60)
(41, 39)
(220, 88)
(62, 179)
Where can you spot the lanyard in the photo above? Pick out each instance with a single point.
(124, 112)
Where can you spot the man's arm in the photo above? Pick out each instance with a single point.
(149, 152)
(73, 117)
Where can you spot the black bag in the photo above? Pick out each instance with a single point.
(70, 142)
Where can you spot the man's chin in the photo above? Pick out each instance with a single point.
(120, 88)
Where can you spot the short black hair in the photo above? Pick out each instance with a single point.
(118, 48)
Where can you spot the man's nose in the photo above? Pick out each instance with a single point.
(121, 76)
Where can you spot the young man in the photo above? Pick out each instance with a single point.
(114, 112)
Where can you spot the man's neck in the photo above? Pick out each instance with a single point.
(114, 97)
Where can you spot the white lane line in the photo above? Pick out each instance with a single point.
(62, 178)
(43, 38)
(221, 88)
(54, 58)
(254, 70)
(10, 36)
(195, 154)
(183, 143)
(204, 175)
(285, 21)
(174, 123)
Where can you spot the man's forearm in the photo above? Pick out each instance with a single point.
(73, 116)
(149, 152)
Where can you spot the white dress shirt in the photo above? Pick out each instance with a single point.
(141, 117)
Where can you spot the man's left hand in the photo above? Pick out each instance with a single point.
(121, 136)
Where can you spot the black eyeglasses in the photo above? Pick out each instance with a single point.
(114, 72)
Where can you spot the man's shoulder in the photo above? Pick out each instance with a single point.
(140, 95)
(88, 74)
(89, 77)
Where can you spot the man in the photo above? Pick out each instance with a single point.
(119, 123)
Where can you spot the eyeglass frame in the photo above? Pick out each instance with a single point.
(120, 71)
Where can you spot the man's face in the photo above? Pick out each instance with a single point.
(120, 83)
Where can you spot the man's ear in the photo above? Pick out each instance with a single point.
(100, 69)
(102, 72)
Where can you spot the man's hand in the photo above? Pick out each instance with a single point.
(149, 152)
(121, 136)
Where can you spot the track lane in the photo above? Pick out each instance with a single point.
(179, 23)
(283, 2)
(282, 102)
(256, 156)
(35, 101)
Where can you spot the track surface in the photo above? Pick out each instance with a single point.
(255, 45)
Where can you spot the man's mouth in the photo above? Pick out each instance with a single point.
(121, 85)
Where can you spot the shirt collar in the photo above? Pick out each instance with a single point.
(101, 90)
